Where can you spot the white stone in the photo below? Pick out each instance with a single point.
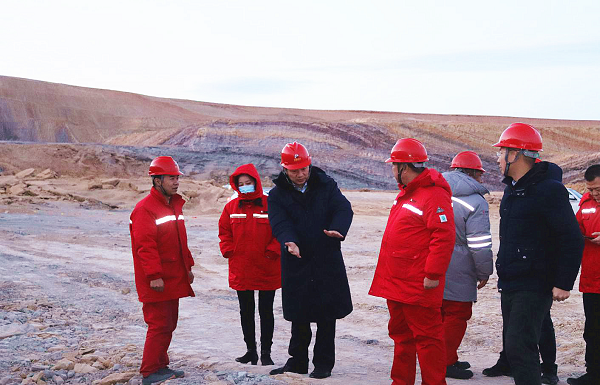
(14, 329)
(116, 378)
(64, 364)
(84, 368)
(25, 173)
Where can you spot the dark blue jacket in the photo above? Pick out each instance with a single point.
(314, 287)
(540, 241)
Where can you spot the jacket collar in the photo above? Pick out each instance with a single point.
(587, 197)
(175, 198)
(429, 177)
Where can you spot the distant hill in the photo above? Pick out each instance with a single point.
(210, 140)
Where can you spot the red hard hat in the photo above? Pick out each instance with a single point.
(294, 156)
(467, 159)
(164, 165)
(521, 136)
(408, 150)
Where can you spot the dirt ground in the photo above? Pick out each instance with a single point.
(67, 291)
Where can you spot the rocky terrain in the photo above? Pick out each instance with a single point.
(74, 161)
(69, 312)
(212, 139)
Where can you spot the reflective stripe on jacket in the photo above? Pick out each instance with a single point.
(159, 247)
(246, 239)
(588, 218)
(472, 258)
(417, 243)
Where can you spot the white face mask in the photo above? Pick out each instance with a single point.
(246, 189)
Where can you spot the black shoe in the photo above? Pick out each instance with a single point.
(497, 371)
(250, 356)
(265, 359)
(462, 364)
(320, 373)
(586, 379)
(287, 368)
(157, 377)
(452, 371)
(550, 378)
(176, 373)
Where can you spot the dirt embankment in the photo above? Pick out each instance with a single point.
(210, 138)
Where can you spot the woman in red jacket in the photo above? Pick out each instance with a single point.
(253, 254)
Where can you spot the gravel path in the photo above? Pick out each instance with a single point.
(69, 311)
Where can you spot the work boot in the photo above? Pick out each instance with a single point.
(176, 373)
(453, 371)
(250, 356)
(586, 379)
(497, 371)
(320, 373)
(462, 364)
(265, 358)
(288, 368)
(157, 377)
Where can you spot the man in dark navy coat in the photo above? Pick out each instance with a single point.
(540, 247)
(309, 216)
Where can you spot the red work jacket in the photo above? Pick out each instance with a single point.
(159, 246)
(418, 242)
(588, 218)
(246, 239)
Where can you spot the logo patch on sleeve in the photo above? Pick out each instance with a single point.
(440, 210)
(443, 218)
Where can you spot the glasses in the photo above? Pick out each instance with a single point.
(504, 150)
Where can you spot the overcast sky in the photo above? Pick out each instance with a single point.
(524, 58)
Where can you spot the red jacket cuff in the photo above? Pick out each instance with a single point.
(152, 277)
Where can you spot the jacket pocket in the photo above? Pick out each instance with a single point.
(521, 262)
(403, 264)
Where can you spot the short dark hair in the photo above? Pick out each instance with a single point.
(237, 177)
(592, 172)
(411, 166)
(469, 171)
(154, 177)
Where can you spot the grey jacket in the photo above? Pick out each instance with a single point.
(472, 259)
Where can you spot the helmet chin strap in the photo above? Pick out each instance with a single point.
(509, 163)
(399, 177)
(161, 188)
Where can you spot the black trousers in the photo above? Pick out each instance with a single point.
(591, 333)
(324, 350)
(523, 313)
(547, 347)
(267, 321)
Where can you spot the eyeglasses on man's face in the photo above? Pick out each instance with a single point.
(504, 150)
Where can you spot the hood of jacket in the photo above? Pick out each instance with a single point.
(248, 169)
(539, 172)
(427, 178)
(463, 185)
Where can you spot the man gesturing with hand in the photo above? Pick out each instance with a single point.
(310, 217)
